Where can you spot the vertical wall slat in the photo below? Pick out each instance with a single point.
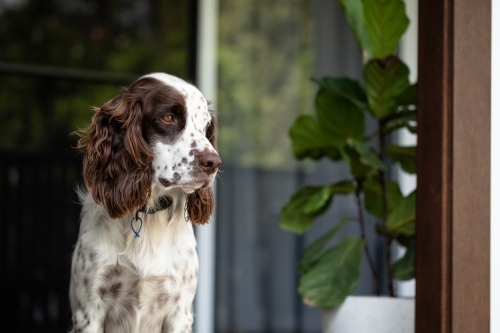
(453, 159)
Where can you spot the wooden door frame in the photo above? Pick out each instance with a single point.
(453, 167)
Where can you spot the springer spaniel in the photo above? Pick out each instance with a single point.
(149, 161)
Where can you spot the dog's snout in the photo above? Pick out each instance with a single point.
(209, 162)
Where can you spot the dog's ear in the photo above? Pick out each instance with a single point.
(116, 164)
(200, 205)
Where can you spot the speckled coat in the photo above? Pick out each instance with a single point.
(161, 142)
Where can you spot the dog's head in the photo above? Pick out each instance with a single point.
(158, 131)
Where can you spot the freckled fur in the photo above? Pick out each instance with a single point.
(126, 284)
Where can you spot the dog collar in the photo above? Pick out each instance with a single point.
(162, 204)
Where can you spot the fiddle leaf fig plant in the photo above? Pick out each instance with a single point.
(330, 273)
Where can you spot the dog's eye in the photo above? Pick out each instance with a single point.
(168, 118)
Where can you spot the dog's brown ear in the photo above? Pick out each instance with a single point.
(116, 164)
(200, 205)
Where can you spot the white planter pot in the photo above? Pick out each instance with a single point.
(371, 314)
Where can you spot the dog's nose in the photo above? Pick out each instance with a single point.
(209, 162)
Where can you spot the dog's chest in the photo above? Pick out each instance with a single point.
(165, 293)
(143, 282)
(165, 263)
(161, 250)
(148, 298)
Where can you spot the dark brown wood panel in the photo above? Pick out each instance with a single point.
(433, 168)
(453, 166)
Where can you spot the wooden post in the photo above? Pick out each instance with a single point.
(453, 167)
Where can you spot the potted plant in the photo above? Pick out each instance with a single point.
(329, 274)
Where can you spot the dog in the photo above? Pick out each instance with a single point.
(149, 162)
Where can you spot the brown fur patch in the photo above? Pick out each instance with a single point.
(200, 205)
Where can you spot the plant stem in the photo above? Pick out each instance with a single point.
(363, 236)
(388, 239)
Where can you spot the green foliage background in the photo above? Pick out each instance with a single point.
(328, 274)
(123, 36)
(265, 60)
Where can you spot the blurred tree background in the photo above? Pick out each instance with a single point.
(77, 53)
(265, 63)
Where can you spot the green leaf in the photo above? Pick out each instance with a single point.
(367, 155)
(405, 156)
(347, 88)
(404, 268)
(385, 21)
(298, 214)
(408, 96)
(338, 117)
(317, 200)
(385, 81)
(294, 217)
(352, 158)
(373, 197)
(308, 141)
(342, 187)
(401, 221)
(362, 160)
(354, 13)
(334, 276)
(320, 198)
(314, 251)
(399, 120)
